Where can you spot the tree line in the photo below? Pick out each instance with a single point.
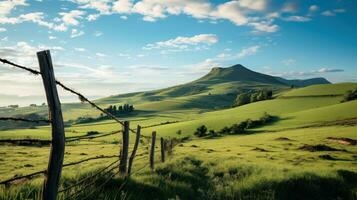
(120, 109)
(239, 128)
(253, 96)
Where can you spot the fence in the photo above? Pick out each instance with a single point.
(123, 165)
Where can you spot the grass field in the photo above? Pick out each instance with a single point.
(275, 161)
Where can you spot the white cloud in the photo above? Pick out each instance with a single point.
(123, 6)
(313, 8)
(339, 10)
(328, 70)
(232, 11)
(2, 29)
(97, 34)
(6, 6)
(92, 17)
(235, 11)
(101, 55)
(328, 13)
(76, 33)
(288, 62)
(100, 5)
(264, 26)
(290, 7)
(124, 17)
(184, 42)
(248, 51)
(79, 49)
(55, 48)
(253, 4)
(72, 17)
(52, 37)
(296, 18)
(331, 13)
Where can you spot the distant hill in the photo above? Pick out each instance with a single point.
(216, 90)
(304, 83)
(237, 73)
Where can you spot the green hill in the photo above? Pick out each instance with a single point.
(216, 90)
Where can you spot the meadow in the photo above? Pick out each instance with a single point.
(302, 155)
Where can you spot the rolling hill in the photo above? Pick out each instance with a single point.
(216, 90)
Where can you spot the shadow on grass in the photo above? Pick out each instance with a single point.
(190, 178)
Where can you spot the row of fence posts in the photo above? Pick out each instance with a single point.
(54, 169)
(166, 147)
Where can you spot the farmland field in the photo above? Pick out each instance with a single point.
(302, 152)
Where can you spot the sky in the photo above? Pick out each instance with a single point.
(108, 47)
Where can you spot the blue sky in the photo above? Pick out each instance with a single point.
(105, 47)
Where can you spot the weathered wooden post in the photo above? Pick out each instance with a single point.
(171, 147)
(152, 150)
(163, 149)
(132, 156)
(54, 169)
(124, 149)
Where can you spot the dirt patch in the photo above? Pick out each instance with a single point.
(319, 147)
(194, 146)
(260, 149)
(345, 141)
(283, 139)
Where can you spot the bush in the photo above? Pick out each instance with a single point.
(212, 133)
(92, 133)
(201, 131)
(242, 99)
(350, 95)
(251, 97)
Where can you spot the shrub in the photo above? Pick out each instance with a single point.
(350, 95)
(201, 131)
(251, 97)
(179, 132)
(212, 133)
(242, 99)
(92, 133)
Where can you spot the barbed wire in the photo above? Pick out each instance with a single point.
(87, 178)
(81, 97)
(25, 120)
(78, 193)
(35, 72)
(65, 165)
(90, 137)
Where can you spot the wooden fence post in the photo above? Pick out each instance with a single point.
(152, 150)
(132, 156)
(54, 169)
(124, 149)
(171, 147)
(163, 149)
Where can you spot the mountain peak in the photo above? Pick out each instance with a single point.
(237, 73)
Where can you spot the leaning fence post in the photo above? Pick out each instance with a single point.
(54, 169)
(124, 149)
(132, 156)
(163, 149)
(152, 150)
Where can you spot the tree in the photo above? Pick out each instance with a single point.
(131, 108)
(201, 131)
(253, 97)
(350, 95)
(242, 99)
(115, 110)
